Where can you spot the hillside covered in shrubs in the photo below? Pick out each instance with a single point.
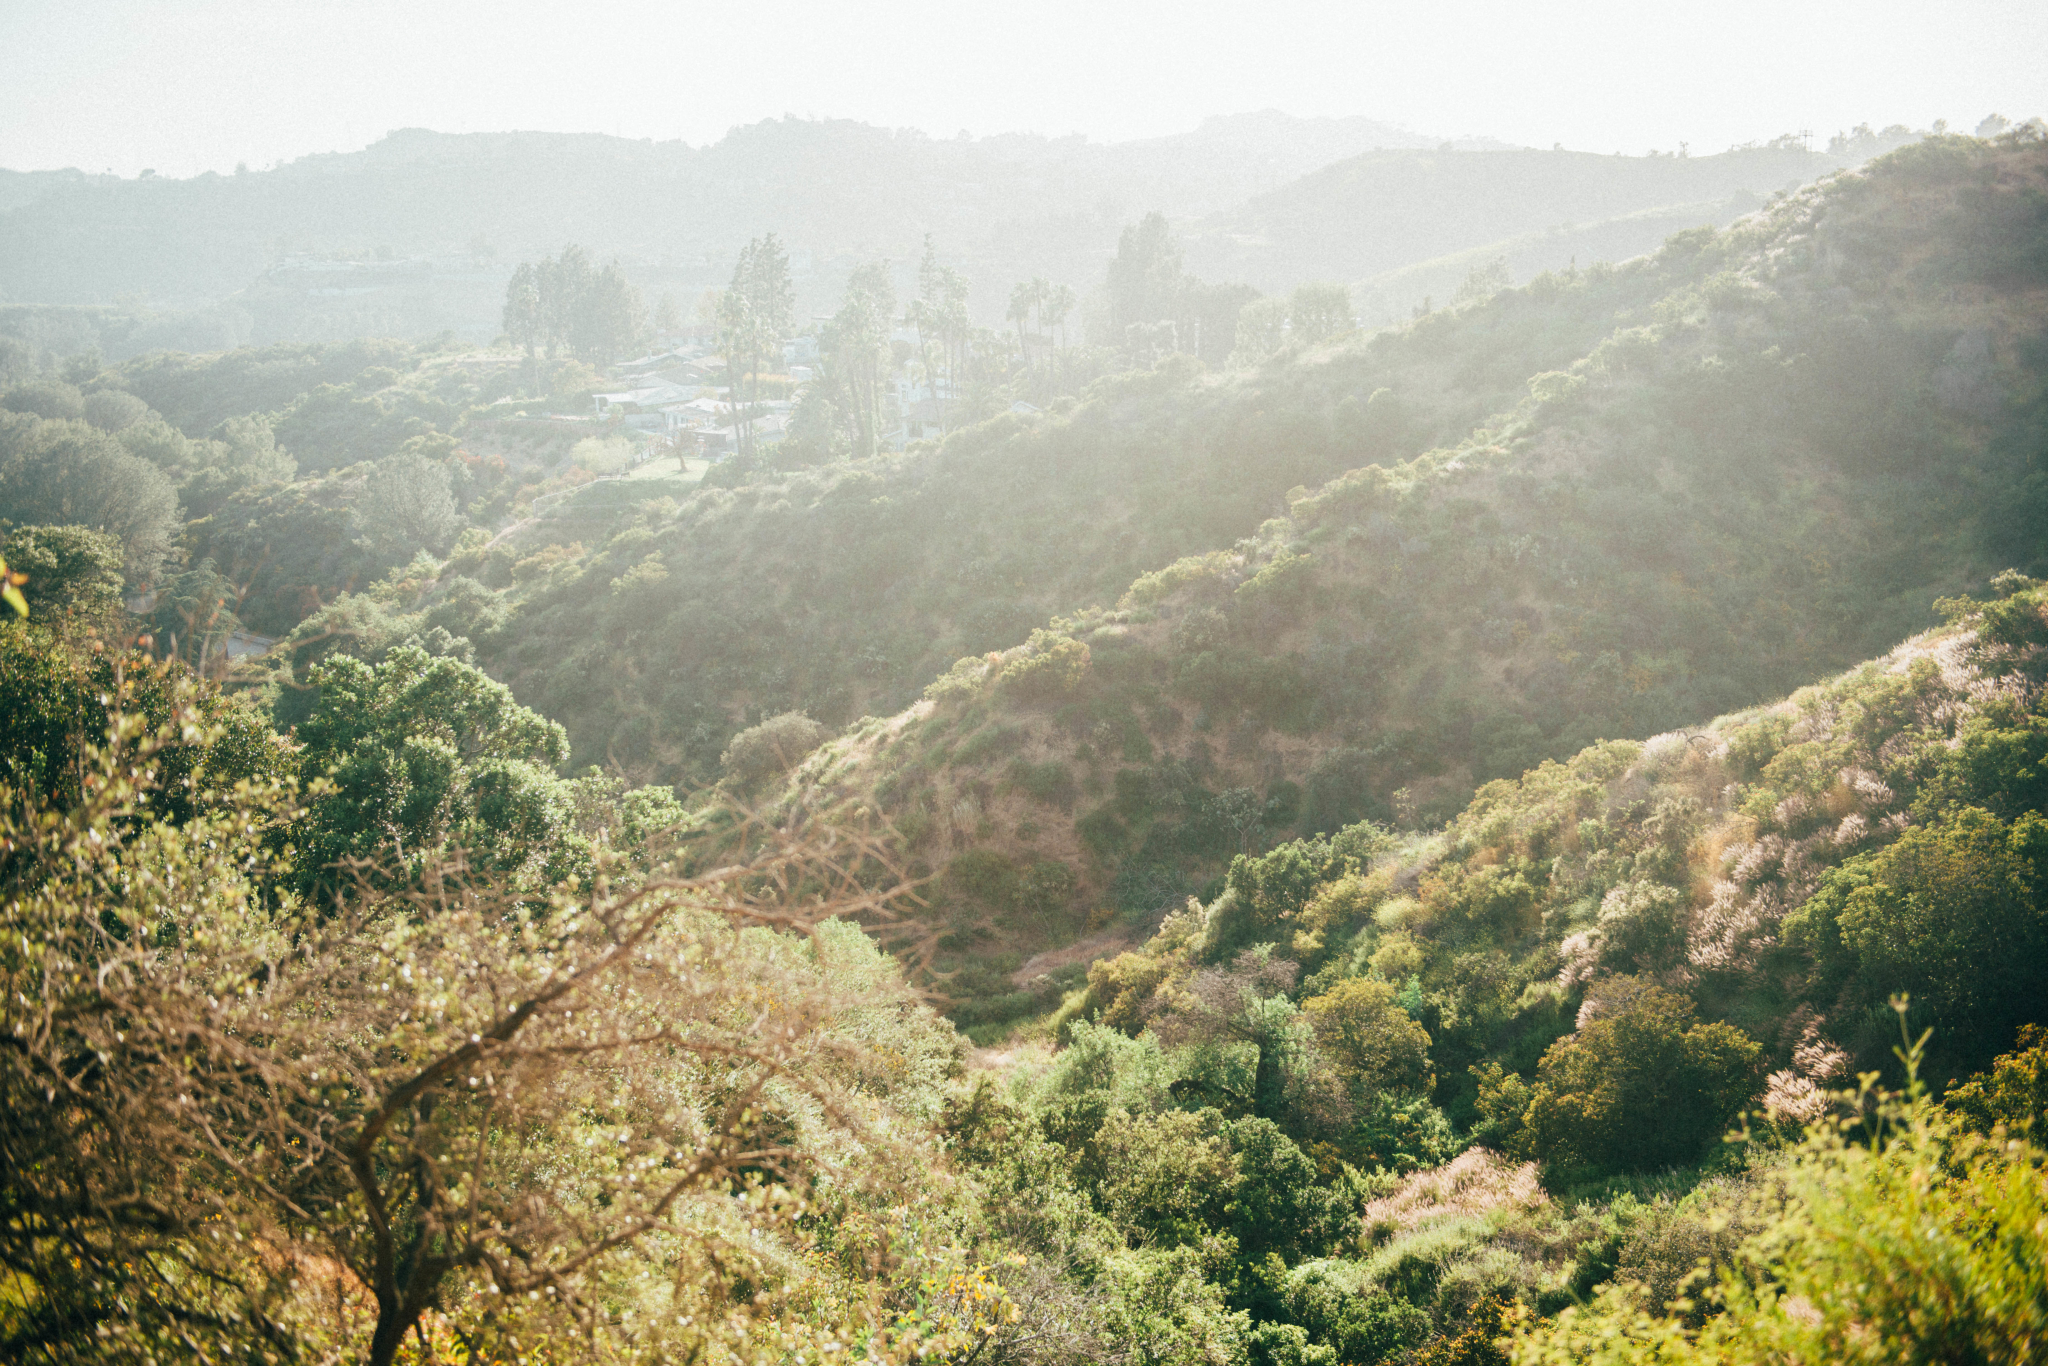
(1837, 420)
(1572, 1079)
(1519, 837)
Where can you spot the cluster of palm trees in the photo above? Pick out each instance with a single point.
(1045, 305)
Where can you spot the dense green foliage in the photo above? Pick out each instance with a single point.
(1913, 1243)
(424, 754)
(61, 471)
(1641, 1087)
(71, 576)
(59, 703)
(1595, 966)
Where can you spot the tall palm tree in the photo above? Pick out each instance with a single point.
(1059, 303)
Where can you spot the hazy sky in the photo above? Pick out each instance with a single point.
(190, 85)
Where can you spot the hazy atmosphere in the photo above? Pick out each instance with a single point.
(120, 85)
(1118, 685)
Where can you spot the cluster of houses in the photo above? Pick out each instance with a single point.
(680, 398)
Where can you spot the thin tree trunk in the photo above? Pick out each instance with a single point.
(862, 384)
(1268, 1084)
(732, 400)
(754, 363)
(931, 373)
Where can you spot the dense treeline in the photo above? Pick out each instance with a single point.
(564, 303)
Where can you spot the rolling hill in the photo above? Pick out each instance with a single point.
(1835, 419)
(844, 589)
(1390, 219)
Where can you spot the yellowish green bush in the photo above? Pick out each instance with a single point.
(1886, 1239)
(774, 746)
(1053, 667)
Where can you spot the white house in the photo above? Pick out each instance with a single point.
(645, 398)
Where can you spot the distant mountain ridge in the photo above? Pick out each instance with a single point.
(26, 187)
(433, 223)
(1366, 218)
(838, 192)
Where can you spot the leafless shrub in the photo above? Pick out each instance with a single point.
(1476, 1182)
(1213, 1004)
(237, 1127)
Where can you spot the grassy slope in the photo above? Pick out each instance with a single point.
(1826, 425)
